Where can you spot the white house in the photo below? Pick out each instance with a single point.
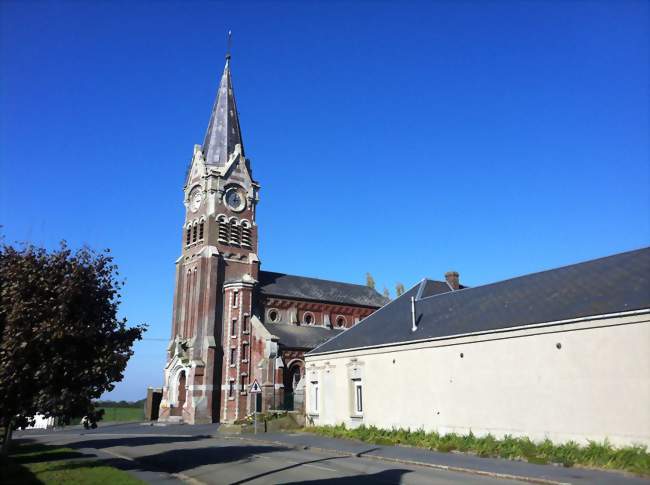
(562, 354)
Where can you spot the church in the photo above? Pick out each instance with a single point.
(234, 324)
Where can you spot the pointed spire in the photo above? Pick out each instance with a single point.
(224, 133)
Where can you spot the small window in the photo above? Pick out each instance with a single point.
(308, 318)
(314, 396)
(358, 396)
(274, 316)
(194, 232)
(200, 231)
(235, 297)
(233, 356)
(243, 380)
(244, 323)
(188, 236)
(231, 388)
(244, 352)
(340, 321)
(233, 328)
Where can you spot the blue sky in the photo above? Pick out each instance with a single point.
(400, 138)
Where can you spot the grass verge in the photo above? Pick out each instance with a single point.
(635, 459)
(40, 464)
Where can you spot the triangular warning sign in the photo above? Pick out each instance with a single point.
(255, 387)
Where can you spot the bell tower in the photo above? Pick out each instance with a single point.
(208, 354)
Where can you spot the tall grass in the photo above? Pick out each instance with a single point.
(634, 459)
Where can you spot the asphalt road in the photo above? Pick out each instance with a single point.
(191, 454)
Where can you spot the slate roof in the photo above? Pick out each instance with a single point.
(223, 131)
(617, 283)
(301, 336)
(303, 288)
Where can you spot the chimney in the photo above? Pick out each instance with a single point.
(453, 279)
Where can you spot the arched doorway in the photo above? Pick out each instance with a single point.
(181, 394)
(292, 376)
(181, 390)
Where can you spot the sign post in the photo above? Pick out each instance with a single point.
(255, 389)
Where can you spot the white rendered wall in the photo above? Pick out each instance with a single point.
(596, 386)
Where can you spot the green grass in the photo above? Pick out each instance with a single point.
(122, 414)
(635, 459)
(41, 464)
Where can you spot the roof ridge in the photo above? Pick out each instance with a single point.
(321, 279)
(527, 275)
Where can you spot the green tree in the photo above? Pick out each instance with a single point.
(370, 281)
(62, 344)
(399, 289)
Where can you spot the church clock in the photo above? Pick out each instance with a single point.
(235, 199)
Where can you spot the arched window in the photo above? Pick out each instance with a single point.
(194, 232)
(201, 230)
(273, 315)
(188, 235)
(308, 318)
(246, 234)
(340, 321)
(223, 230)
(234, 232)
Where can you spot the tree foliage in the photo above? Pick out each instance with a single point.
(399, 289)
(62, 344)
(370, 281)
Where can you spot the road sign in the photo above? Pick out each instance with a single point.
(255, 387)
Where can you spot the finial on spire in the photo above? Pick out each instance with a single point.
(229, 44)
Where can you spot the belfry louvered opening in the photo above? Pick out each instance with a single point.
(246, 236)
(223, 230)
(235, 233)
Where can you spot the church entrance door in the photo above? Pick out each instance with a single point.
(181, 393)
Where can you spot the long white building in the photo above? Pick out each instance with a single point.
(562, 354)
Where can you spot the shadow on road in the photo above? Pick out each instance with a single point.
(386, 476)
(133, 441)
(176, 461)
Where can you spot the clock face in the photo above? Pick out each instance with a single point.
(235, 199)
(195, 199)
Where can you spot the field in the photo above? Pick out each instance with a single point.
(122, 414)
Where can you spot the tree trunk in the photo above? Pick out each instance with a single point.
(7, 438)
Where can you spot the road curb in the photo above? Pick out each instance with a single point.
(472, 471)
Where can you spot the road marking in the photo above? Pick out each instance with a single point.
(320, 467)
(311, 465)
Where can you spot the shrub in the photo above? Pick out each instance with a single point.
(635, 459)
